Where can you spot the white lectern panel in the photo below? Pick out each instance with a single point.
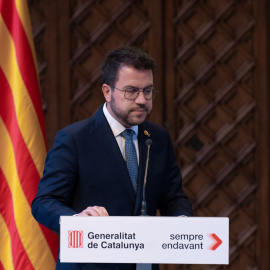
(176, 240)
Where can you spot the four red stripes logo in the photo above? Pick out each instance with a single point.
(75, 239)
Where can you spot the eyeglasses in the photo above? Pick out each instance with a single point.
(132, 93)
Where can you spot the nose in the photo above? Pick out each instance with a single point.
(141, 98)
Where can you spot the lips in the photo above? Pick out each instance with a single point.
(138, 110)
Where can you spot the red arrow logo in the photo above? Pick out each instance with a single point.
(216, 241)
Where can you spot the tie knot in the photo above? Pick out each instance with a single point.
(127, 134)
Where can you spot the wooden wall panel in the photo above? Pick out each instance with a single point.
(44, 22)
(72, 37)
(214, 120)
(262, 84)
(96, 28)
(213, 97)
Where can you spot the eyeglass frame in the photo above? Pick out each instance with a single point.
(138, 92)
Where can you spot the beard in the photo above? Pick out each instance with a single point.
(128, 119)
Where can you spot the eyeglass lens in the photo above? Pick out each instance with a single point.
(132, 93)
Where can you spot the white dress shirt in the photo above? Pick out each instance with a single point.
(117, 129)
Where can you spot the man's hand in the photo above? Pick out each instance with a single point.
(94, 211)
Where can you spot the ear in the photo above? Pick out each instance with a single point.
(106, 89)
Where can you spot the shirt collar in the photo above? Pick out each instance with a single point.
(116, 127)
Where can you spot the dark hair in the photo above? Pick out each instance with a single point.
(125, 56)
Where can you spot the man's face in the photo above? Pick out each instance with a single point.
(129, 112)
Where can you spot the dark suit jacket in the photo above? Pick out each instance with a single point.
(85, 168)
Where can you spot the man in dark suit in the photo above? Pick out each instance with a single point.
(87, 170)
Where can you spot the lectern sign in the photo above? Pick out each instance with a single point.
(144, 240)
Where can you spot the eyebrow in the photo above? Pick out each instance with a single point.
(132, 86)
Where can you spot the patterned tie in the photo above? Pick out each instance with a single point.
(131, 156)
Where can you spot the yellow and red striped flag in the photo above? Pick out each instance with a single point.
(24, 243)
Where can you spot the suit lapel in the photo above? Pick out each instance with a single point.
(107, 144)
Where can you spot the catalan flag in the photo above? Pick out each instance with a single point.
(24, 244)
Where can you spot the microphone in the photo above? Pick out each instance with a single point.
(148, 142)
